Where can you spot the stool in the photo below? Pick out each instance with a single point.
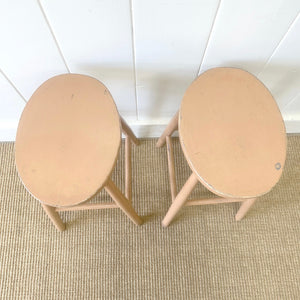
(233, 138)
(67, 145)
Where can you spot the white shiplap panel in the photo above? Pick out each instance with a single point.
(11, 107)
(28, 54)
(246, 33)
(170, 39)
(282, 72)
(95, 38)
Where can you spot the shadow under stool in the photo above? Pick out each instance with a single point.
(67, 145)
(233, 137)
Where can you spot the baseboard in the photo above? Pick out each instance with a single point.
(143, 129)
(8, 130)
(292, 126)
(148, 129)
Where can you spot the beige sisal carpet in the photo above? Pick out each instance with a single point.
(204, 254)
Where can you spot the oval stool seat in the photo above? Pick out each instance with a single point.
(68, 140)
(67, 145)
(233, 137)
(232, 133)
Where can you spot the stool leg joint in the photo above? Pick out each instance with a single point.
(244, 208)
(128, 132)
(122, 202)
(54, 217)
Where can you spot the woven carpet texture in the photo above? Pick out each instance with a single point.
(203, 254)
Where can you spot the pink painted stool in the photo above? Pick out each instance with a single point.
(67, 145)
(233, 138)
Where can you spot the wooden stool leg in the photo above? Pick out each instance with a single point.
(244, 208)
(180, 199)
(123, 202)
(172, 176)
(54, 217)
(127, 131)
(172, 126)
(128, 187)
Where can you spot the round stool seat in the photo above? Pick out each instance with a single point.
(232, 133)
(68, 140)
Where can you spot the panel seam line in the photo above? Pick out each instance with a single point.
(13, 86)
(53, 35)
(209, 38)
(134, 60)
(279, 44)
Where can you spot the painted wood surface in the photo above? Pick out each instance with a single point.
(237, 146)
(63, 153)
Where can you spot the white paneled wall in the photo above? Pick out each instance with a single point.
(147, 52)
(28, 54)
(12, 105)
(281, 73)
(170, 39)
(95, 38)
(246, 33)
